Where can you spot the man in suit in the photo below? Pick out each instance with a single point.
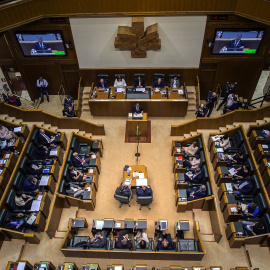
(165, 242)
(42, 85)
(144, 191)
(175, 83)
(102, 84)
(70, 112)
(245, 187)
(73, 190)
(123, 190)
(197, 193)
(237, 42)
(80, 161)
(40, 45)
(159, 83)
(123, 241)
(30, 184)
(99, 241)
(139, 82)
(137, 108)
(195, 178)
(44, 138)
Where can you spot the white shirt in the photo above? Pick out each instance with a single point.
(230, 100)
(120, 84)
(42, 83)
(174, 83)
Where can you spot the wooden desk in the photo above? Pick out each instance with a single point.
(260, 153)
(222, 190)
(175, 94)
(68, 266)
(25, 264)
(158, 95)
(256, 137)
(137, 168)
(92, 196)
(123, 224)
(158, 228)
(114, 95)
(59, 155)
(62, 140)
(228, 215)
(45, 204)
(131, 126)
(176, 144)
(220, 175)
(179, 181)
(226, 199)
(234, 233)
(11, 160)
(92, 171)
(50, 184)
(53, 170)
(101, 94)
(108, 224)
(97, 163)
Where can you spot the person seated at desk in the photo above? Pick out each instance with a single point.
(139, 82)
(137, 109)
(159, 83)
(237, 42)
(238, 157)
(102, 84)
(70, 112)
(42, 152)
(123, 241)
(23, 201)
(33, 169)
(192, 163)
(12, 100)
(6, 134)
(143, 241)
(144, 191)
(120, 82)
(123, 190)
(73, 190)
(251, 210)
(245, 187)
(253, 228)
(76, 175)
(8, 147)
(99, 240)
(165, 242)
(45, 139)
(201, 111)
(15, 222)
(224, 142)
(30, 184)
(192, 149)
(195, 178)
(197, 193)
(40, 45)
(242, 172)
(266, 135)
(235, 106)
(174, 83)
(80, 161)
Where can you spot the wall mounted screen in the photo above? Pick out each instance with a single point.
(237, 41)
(181, 42)
(41, 43)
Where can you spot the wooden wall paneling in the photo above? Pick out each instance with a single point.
(207, 79)
(71, 79)
(5, 52)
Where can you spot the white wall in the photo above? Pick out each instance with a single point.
(181, 42)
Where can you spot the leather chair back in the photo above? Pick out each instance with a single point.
(259, 200)
(159, 75)
(3, 215)
(31, 151)
(34, 137)
(171, 76)
(208, 189)
(122, 75)
(62, 187)
(23, 165)
(265, 220)
(19, 181)
(10, 201)
(144, 200)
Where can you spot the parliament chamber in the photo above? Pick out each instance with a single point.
(150, 149)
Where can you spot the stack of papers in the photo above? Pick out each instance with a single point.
(138, 115)
(117, 225)
(233, 209)
(1, 171)
(44, 180)
(35, 206)
(156, 90)
(135, 174)
(39, 198)
(232, 171)
(120, 90)
(141, 182)
(21, 266)
(99, 224)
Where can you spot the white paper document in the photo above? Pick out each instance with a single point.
(180, 92)
(90, 170)
(99, 224)
(117, 225)
(7, 155)
(44, 180)
(233, 209)
(140, 89)
(264, 146)
(178, 150)
(138, 115)
(17, 129)
(141, 182)
(232, 171)
(156, 90)
(219, 150)
(141, 175)
(120, 90)
(229, 187)
(215, 138)
(39, 198)
(53, 153)
(35, 206)
(93, 156)
(21, 265)
(118, 268)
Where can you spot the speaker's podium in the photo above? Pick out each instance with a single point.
(138, 122)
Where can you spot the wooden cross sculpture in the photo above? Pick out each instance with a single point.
(135, 39)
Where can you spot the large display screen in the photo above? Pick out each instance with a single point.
(237, 41)
(41, 43)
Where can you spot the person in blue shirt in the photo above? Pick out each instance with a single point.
(252, 210)
(266, 135)
(30, 183)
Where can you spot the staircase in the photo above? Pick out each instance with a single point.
(85, 98)
(191, 93)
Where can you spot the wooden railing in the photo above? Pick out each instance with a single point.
(47, 118)
(220, 121)
(78, 109)
(197, 92)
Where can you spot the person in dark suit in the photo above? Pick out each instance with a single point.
(80, 161)
(99, 241)
(70, 112)
(201, 111)
(245, 187)
(45, 139)
(137, 108)
(175, 83)
(102, 84)
(30, 184)
(159, 83)
(40, 45)
(139, 82)
(123, 241)
(237, 42)
(42, 152)
(144, 191)
(33, 169)
(165, 242)
(123, 190)
(197, 193)
(195, 178)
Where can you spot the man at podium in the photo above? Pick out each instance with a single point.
(137, 109)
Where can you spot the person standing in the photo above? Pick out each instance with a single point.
(42, 85)
(211, 102)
